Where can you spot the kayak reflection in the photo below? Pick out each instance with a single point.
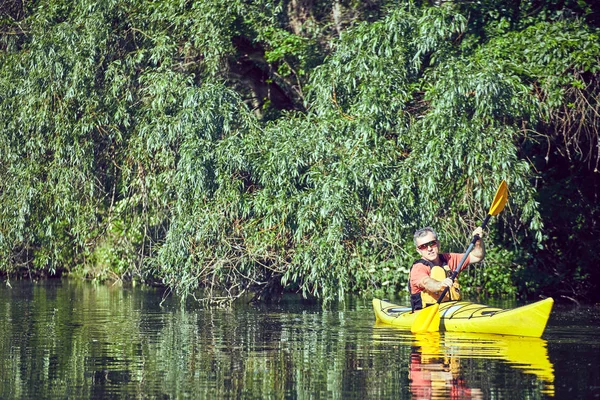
(525, 353)
(436, 370)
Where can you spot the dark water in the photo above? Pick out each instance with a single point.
(74, 340)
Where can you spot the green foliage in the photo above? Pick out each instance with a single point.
(150, 140)
(495, 277)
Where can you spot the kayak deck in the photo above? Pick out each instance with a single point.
(463, 316)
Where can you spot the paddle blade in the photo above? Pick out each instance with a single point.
(428, 320)
(434, 325)
(500, 199)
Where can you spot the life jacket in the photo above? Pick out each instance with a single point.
(439, 273)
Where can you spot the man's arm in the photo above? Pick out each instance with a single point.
(420, 277)
(434, 286)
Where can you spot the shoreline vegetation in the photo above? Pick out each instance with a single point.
(254, 148)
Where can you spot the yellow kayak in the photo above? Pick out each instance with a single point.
(463, 316)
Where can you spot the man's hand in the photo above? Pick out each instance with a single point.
(445, 283)
(478, 251)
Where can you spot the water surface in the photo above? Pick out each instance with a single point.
(68, 339)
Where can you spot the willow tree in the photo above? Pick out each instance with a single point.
(226, 148)
(403, 129)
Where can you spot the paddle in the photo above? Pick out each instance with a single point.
(428, 319)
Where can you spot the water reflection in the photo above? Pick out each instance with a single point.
(435, 375)
(525, 353)
(445, 365)
(63, 340)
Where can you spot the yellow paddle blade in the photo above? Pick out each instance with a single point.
(428, 320)
(434, 325)
(500, 199)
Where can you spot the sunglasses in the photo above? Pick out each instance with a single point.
(424, 246)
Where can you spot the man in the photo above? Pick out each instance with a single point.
(430, 274)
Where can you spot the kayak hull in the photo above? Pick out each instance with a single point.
(463, 316)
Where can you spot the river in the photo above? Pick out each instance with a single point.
(66, 339)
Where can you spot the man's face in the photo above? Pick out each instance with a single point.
(428, 247)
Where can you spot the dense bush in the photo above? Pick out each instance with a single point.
(235, 147)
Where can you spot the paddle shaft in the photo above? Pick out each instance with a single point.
(462, 262)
